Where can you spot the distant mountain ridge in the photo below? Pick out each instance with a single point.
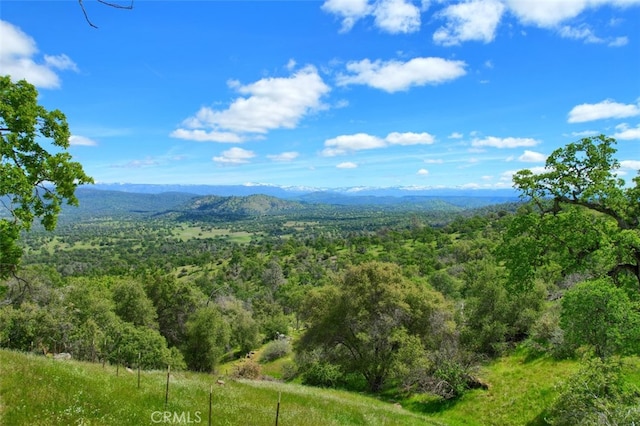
(235, 202)
(286, 192)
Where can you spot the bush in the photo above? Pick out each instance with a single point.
(596, 395)
(289, 371)
(248, 369)
(275, 349)
(599, 315)
(322, 374)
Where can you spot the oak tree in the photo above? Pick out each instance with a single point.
(583, 216)
(37, 173)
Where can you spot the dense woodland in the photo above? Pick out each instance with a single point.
(358, 298)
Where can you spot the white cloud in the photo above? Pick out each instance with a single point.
(206, 136)
(475, 20)
(348, 143)
(579, 33)
(618, 42)
(393, 76)
(349, 10)
(397, 16)
(235, 156)
(270, 103)
(532, 157)
(550, 13)
(433, 161)
(284, 156)
(602, 110)
(76, 140)
(347, 165)
(510, 142)
(456, 135)
(137, 164)
(423, 172)
(410, 138)
(345, 144)
(17, 51)
(584, 133)
(61, 62)
(630, 164)
(624, 132)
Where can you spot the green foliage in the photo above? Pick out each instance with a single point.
(493, 317)
(174, 302)
(34, 181)
(132, 304)
(596, 395)
(206, 339)
(597, 314)
(244, 329)
(361, 323)
(275, 349)
(585, 216)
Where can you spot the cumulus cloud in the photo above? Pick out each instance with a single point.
(509, 142)
(284, 156)
(17, 59)
(423, 172)
(548, 13)
(456, 135)
(393, 76)
(624, 132)
(348, 143)
(391, 16)
(199, 135)
(267, 104)
(630, 164)
(347, 165)
(474, 20)
(602, 110)
(235, 156)
(77, 140)
(349, 10)
(345, 144)
(532, 157)
(397, 16)
(410, 138)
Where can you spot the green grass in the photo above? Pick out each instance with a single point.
(187, 232)
(35, 390)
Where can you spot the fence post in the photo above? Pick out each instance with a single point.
(278, 407)
(139, 359)
(166, 393)
(210, 403)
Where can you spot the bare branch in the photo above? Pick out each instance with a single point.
(107, 3)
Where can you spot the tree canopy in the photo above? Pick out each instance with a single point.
(34, 180)
(373, 315)
(584, 216)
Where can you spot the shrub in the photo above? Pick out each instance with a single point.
(322, 374)
(596, 395)
(275, 349)
(248, 369)
(289, 371)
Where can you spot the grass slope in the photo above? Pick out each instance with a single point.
(35, 390)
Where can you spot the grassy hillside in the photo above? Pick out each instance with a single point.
(35, 390)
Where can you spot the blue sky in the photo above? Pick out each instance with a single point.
(340, 93)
